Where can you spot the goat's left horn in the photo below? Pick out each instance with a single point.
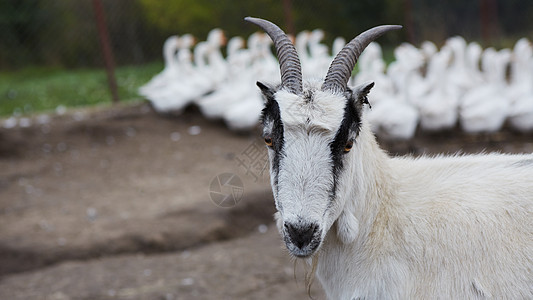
(341, 67)
(289, 62)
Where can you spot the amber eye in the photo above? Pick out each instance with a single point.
(348, 146)
(268, 141)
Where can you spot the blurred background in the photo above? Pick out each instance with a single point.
(42, 41)
(106, 193)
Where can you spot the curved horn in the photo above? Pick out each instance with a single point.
(341, 67)
(289, 63)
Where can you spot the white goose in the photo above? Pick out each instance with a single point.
(206, 77)
(393, 118)
(372, 68)
(428, 49)
(235, 50)
(170, 70)
(431, 96)
(266, 64)
(521, 87)
(242, 113)
(211, 68)
(218, 67)
(337, 46)
(459, 75)
(174, 96)
(408, 62)
(235, 88)
(438, 108)
(484, 108)
(319, 58)
(472, 56)
(300, 44)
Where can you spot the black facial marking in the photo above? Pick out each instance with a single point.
(271, 114)
(350, 126)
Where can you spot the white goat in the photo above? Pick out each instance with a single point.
(458, 227)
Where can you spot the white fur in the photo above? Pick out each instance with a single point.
(324, 112)
(458, 227)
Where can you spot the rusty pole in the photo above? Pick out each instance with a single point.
(408, 18)
(484, 12)
(289, 21)
(107, 53)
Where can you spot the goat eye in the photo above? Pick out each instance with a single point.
(348, 146)
(268, 141)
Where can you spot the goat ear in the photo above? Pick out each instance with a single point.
(360, 94)
(267, 91)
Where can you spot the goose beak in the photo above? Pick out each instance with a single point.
(292, 38)
(223, 39)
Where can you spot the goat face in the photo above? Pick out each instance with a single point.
(309, 138)
(309, 130)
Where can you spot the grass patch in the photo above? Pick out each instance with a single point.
(39, 89)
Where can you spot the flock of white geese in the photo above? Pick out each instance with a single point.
(428, 88)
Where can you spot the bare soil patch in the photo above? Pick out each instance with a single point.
(114, 203)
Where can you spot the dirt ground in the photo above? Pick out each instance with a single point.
(115, 203)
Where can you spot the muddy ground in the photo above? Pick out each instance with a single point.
(114, 203)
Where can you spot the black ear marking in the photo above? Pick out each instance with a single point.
(267, 91)
(360, 94)
(366, 88)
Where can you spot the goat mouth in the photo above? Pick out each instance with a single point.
(305, 251)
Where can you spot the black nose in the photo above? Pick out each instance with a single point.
(301, 234)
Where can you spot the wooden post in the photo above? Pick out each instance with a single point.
(490, 25)
(485, 21)
(289, 21)
(409, 23)
(107, 53)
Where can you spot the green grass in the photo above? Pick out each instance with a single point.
(40, 89)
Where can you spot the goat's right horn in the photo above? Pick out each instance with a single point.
(341, 67)
(289, 63)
